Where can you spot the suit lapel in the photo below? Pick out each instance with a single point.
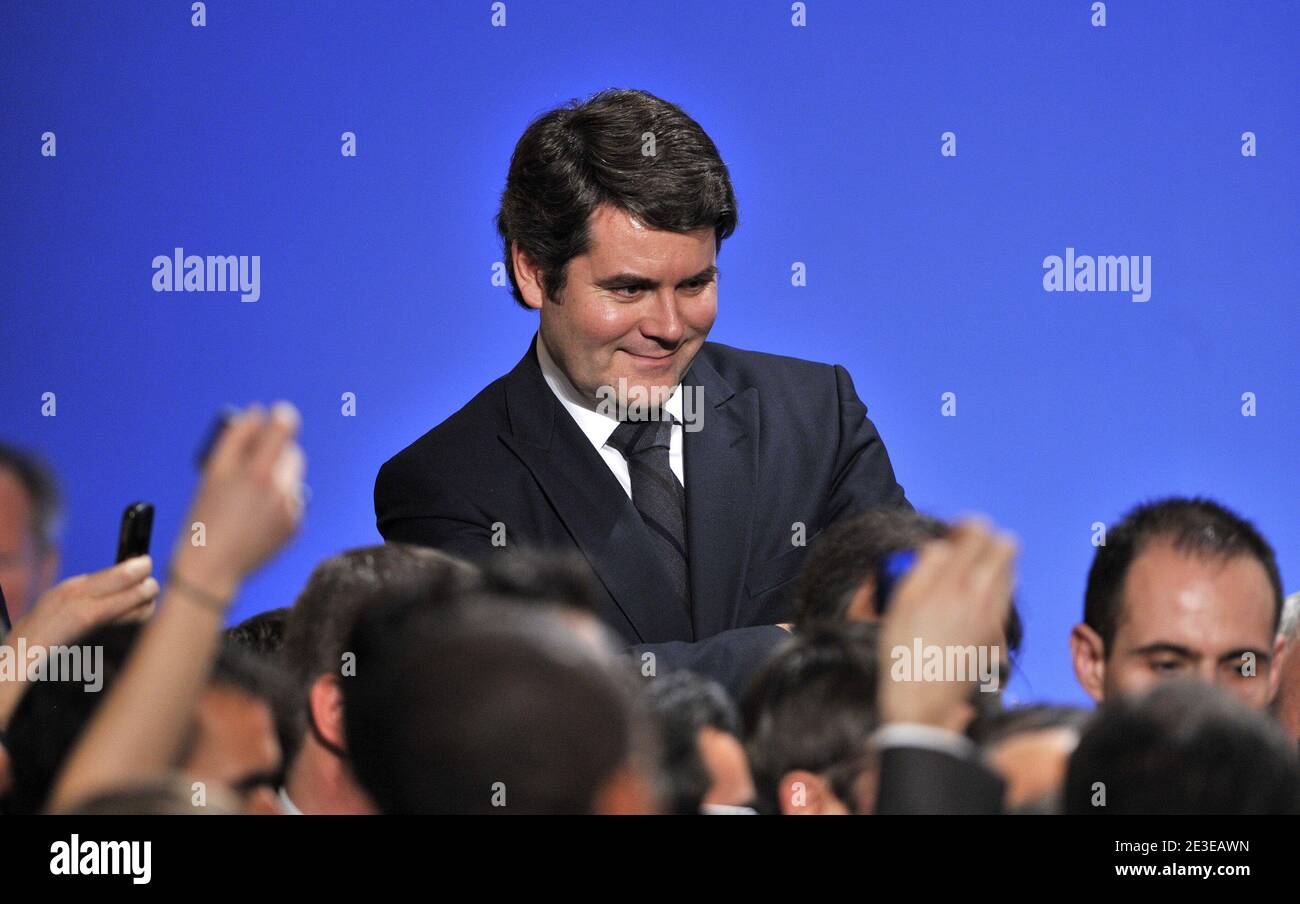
(721, 482)
(587, 497)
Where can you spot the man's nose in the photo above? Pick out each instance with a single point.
(663, 322)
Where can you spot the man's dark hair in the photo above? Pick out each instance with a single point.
(341, 587)
(578, 157)
(42, 490)
(1198, 527)
(683, 704)
(52, 714)
(852, 550)
(813, 707)
(849, 552)
(451, 715)
(261, 634)
(1184, 748)
(553, 577)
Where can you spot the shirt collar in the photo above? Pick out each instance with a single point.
(290, 807)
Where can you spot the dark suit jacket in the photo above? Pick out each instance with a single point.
(782, 441)
(915, 780)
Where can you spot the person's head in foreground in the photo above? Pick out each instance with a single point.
(1181, 588)
(1183, 748)
(560, 581)
(704, 761)
(808, 718)
(838, 580)
(1030, 747)
(231, 746)
(316, 651)
(613, 213)
(496, 708)
(29, 523)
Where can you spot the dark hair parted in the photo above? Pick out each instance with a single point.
(1198, 527)
(624, 148)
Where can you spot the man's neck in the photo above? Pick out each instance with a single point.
(318, 782)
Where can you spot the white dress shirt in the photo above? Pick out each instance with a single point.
(599, 427)
(290, 808)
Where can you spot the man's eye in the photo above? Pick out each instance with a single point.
(627, 291)
(1166, 665)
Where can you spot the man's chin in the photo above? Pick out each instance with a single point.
(634, 392)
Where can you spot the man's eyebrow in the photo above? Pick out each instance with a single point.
(628, 280)
(1165, 647)
(1260, 655)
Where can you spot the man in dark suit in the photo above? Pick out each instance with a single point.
(689, 474)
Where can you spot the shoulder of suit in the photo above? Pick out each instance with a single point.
(460, 437)
(743, 368)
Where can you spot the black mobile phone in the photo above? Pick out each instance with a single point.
(137, 526)
(218, 427)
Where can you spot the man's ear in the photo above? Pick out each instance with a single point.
(1089, 654)
(528, 276)
(862, 605)
(326, 702)
(625, 793)
(1281, 651)
(804, 793)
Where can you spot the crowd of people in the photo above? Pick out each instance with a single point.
(403, 679)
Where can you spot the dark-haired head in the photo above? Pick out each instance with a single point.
(612, 218)
(838, 580)
(493, 707)
(1183, 748)
(703, 760)
(621, 148)
(808, 719)
(339, 588)
(1180, 588)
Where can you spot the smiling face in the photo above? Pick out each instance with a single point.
(636, 307)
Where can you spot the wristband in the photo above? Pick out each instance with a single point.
(198, 595)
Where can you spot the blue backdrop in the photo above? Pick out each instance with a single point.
(924, 271)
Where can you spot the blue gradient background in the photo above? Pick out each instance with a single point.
(924, 272)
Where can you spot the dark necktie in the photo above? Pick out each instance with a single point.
(657, 494)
